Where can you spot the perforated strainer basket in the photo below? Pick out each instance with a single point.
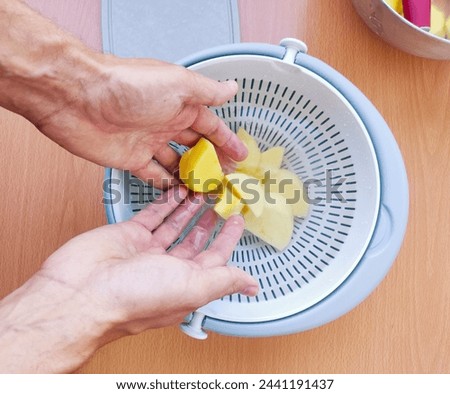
(339, 145)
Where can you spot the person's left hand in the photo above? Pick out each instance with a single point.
(119, 280)
(127, 269)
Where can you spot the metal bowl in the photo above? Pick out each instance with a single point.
(399, 32)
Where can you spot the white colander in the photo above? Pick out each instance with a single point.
(336, 142)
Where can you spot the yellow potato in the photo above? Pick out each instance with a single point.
(266, 195)
(271, 159)
(290, 186)
(200, 169)
(252, 160)
(247, 188)
(276, 224)
(228, 204)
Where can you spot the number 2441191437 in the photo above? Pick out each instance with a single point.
(299, 384)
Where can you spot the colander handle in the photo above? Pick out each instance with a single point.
(293, 47)
(383, 231)
(194, 328)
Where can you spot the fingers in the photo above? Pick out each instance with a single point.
(218, 132)
(206, 91)
(155, 175)
(220, 250)
(167, 158)
(195, 241)
(188, 137)
(155, 213)
(215, 283)
(173, 225)
(170, 160)
(228, 165)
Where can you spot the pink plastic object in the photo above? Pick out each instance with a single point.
(418, 12)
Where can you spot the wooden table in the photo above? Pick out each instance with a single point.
(48, 196)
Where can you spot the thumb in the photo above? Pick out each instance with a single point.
(206, 91)
(156, 175)
(215, 283)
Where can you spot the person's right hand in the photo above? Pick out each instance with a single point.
(118, 280)
(113, 111)
(130, 109)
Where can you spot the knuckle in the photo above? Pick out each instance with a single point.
(173, 224)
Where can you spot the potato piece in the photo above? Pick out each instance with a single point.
(249, 189)
(200, 169)
(271, 159)
(290, 186)
(276, 224)
(252, 160)
(228, 204)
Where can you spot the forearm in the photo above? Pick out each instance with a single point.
(49, 328)
(42, 68)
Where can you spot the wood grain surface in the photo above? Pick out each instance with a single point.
(48, 196)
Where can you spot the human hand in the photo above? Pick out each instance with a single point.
(118, 280)
(115, 112)
(126, 117)
(166, 286)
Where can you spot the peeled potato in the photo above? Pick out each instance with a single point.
(268, 197)
(268, 160)
(273, 223)
(272, 158)
(247, 188)
(276, 223)
(290, 186)
(252, 160)
(228, 204)
(200, 169)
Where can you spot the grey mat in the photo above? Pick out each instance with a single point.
(167, 29)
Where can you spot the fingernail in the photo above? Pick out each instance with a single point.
(232, 84)
(237, 218)
(241, 151)
(250, 291)
(244, 151)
